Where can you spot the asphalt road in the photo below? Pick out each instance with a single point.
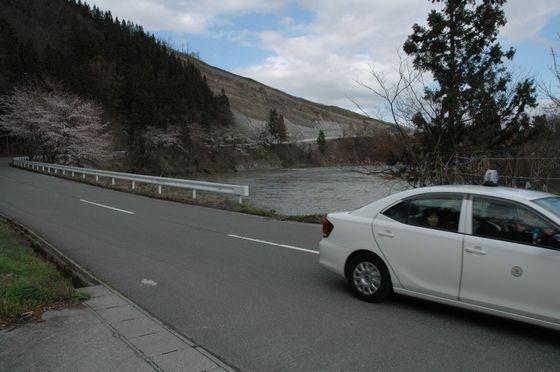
(258, 306)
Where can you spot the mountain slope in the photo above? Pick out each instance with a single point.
(251, 101)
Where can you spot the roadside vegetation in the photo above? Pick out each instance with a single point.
(457, 108)
(28, 284)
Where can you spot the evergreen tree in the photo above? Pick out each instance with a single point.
(276, 131)
(477, 106)
(276, 127)
(281, 129)
(138, 79)
(9, 59)
(322, 142)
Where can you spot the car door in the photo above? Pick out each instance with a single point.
(421, 240)
(509, 261)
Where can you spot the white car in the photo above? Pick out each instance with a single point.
(490, 249)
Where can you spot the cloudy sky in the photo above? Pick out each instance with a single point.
(317, 49)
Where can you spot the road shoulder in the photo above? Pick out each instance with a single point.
(107, 332)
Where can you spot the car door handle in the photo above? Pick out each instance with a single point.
(386, 234)
(476, 250)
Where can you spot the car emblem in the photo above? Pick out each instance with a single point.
(516, 271)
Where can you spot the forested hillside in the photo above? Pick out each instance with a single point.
(81, 86)
(139, 82)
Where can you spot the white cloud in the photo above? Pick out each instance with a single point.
(345, 37)
(527, 18)
(193, 16)
(341, 42)
(321, 59)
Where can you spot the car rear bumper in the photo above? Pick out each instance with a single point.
(332, 256)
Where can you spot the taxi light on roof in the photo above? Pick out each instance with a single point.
(491, 178)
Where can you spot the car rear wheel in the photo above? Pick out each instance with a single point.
(369, 278)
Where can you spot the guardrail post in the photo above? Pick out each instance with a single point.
(194, 186)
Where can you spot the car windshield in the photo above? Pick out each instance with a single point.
(551, 204)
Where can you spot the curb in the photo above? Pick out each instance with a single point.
(81, 278)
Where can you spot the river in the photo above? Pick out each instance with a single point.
(302, 191)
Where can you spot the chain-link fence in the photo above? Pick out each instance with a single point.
(522, 170)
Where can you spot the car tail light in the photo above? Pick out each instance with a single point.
(327, 228)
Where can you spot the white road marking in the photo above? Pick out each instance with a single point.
(149, 282)
(106, 206)
(275, 244)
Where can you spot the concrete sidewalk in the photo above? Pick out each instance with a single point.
(107, 332)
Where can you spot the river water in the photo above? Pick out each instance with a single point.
(301, 191)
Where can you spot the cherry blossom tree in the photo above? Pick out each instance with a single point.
(55, 125)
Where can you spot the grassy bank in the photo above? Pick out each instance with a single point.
(28, 284)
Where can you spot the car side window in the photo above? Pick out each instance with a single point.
(431, 212)
(506, 221)
(398, 212)
(437, 213)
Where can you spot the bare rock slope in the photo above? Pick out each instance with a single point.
(251, 102)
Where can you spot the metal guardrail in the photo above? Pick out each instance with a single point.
(238, 190)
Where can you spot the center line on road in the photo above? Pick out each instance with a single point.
(275, 244)
(106, 206)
